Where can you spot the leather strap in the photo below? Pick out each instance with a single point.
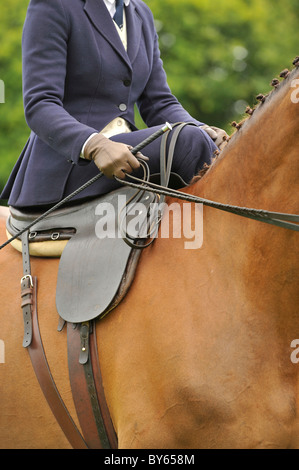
(107, 422)
(86, 330)
(88, 403)
(166, 159)
(26, 292)
(47, 384)
(94, 418)
(166, 162)
(33, 342)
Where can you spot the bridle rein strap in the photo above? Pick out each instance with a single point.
(279, 219)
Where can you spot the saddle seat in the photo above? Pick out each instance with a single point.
(97, 264)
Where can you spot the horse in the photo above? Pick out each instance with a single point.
(198, 355)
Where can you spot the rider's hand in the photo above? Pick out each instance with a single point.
(219, 136)
(112, 158)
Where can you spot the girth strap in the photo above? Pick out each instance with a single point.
(26, 292)
(87, 387)
(34, 345)
(85, 376)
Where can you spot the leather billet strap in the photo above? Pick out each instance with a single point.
(33, 343)
(105, 413)
(87, 387)
(26, 292)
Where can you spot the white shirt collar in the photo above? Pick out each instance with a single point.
(126, 2)
(110, 4)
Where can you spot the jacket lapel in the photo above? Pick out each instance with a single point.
(101, 19)
(134, 25)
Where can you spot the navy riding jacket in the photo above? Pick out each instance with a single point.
(77, 77)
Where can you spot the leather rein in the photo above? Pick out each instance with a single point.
(279, 219)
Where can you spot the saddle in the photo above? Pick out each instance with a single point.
(97, 264)
(98, 242)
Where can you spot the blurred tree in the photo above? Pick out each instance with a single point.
(218, 56)
(13, 129)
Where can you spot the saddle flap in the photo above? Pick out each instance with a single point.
(94, 260)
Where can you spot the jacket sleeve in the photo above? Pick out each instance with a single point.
(44, 55)
(157, 104)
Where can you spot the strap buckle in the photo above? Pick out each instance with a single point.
(27, 276)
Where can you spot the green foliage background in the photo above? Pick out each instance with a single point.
(218, 56)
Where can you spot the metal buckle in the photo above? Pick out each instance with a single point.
(55, 236)
(28, 276)
(32, 235)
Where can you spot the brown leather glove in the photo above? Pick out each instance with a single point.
(219, 136)
(112, 158)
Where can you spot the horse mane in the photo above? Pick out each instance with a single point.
(252, 115)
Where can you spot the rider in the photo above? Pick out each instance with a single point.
(83, 73)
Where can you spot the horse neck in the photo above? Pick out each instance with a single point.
(259, 169)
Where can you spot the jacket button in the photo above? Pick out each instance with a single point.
(127, 82)
(122, 107)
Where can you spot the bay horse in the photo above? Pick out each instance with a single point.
(198, 354)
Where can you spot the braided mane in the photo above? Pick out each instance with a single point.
(277, 84)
